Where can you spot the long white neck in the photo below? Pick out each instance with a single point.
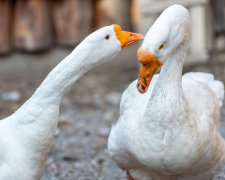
(168, 88)
(63, 75)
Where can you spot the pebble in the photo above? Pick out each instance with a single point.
(113, 98)
(11, 96)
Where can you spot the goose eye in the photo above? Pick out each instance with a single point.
(161, 46)
(107, 37)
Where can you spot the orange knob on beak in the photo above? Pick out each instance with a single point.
(149, 66)
(126, 38)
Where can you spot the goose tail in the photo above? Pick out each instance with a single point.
(216, 86)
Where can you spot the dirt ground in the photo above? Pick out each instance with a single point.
(88, 110)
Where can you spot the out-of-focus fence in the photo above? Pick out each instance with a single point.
(35, 25)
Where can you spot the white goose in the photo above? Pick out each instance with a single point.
(172, 131)
(26, 136)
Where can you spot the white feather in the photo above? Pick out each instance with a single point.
(216, 86)
(172, 131)
(26, 136)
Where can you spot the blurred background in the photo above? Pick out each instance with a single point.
(37, 34)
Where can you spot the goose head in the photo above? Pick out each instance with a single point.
(168, 32)
(104, 44)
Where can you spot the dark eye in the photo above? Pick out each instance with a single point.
(161, 46)
(107, 37)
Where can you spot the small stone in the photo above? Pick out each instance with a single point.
(57, 132)
(11, 96)
(113, 98)
(103, 132)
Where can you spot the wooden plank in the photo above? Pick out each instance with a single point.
(135, 15)
(113, 12)
(5, 26)
(198, 39)
(32, 25)
(152, 7)
(72, 20)
(218, 9)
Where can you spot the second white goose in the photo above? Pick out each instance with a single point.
(172, 131)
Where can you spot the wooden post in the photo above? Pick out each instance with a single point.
(113, 12)
(73, 20)
(218, 16)
(32, 25)
(5, 26)
(135, 15)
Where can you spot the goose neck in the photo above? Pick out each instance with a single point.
(64, 74)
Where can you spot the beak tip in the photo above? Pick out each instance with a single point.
(141, 37)
(141, 88)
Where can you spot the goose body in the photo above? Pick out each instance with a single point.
(171, 131)
(26, 136)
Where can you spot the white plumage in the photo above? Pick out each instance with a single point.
(26, 136)
(172, 131)
(216, 86)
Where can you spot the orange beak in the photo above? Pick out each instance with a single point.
(126, 38)
(149, 65)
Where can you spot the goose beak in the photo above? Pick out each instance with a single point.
(149, 65)
(126, 38)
